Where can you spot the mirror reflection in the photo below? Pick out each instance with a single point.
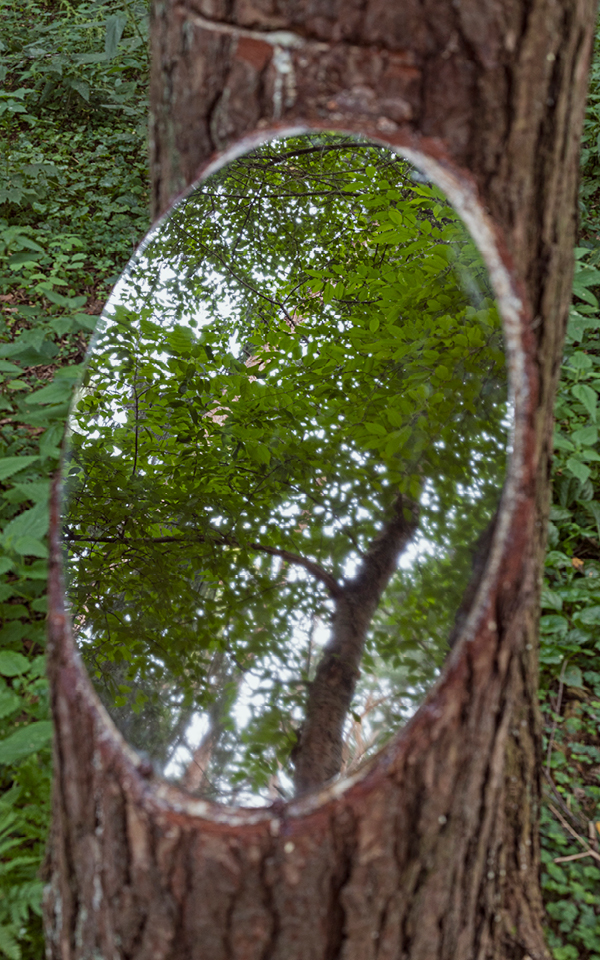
(283, 468)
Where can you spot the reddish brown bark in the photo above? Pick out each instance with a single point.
(431, 852)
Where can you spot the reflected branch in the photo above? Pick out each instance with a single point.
(317, 571)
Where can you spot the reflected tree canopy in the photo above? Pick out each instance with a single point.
(290, 439)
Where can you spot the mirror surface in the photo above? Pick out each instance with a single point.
(283, 468)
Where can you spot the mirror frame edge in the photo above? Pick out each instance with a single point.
(64, 660)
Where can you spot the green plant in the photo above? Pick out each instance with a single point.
(73, 97)
(570, 648)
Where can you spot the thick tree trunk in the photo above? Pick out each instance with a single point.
(318, 753)
(431, 852)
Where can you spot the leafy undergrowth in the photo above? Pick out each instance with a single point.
(571, 709)
(570, 623)
(73, 205)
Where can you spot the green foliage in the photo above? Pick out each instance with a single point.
(72, 207)
(570, 648)
(589, 196)
(339, 362)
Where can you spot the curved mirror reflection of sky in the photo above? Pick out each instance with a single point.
(307, 349)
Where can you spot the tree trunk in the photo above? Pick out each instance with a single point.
(318, 754)
(431, 852)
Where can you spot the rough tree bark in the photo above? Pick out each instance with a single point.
(431, 852)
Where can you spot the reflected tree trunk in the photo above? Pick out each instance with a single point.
(434, 853)
(318, 753)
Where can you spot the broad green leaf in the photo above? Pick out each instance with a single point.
(587, 396)
(13, 664)
(396, 440)
(29, 244)
(29, 547)
(19, 259)
(180, 340)
(57, 392)
(90, 58)
(58, 298)
(586, 436)
(7, 367)
(578, 469)
(549, 655)
(37, 491)
(590, 616)
(376, 428)
(7, 590)
(593, 507)
(587, 276)
(11, 465)
(33, 339)
(30, 523)
(115, 25)
(559, 513)
(82, 88)
(9, 944)
(9, 702)
(552, 623)
(561, 442)
(580, 361)
(573, 677)
(551, 599)
(581, 290)
(87, 321)
(578, 636)
(22, 743)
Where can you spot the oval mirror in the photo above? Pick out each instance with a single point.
(283, 468)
